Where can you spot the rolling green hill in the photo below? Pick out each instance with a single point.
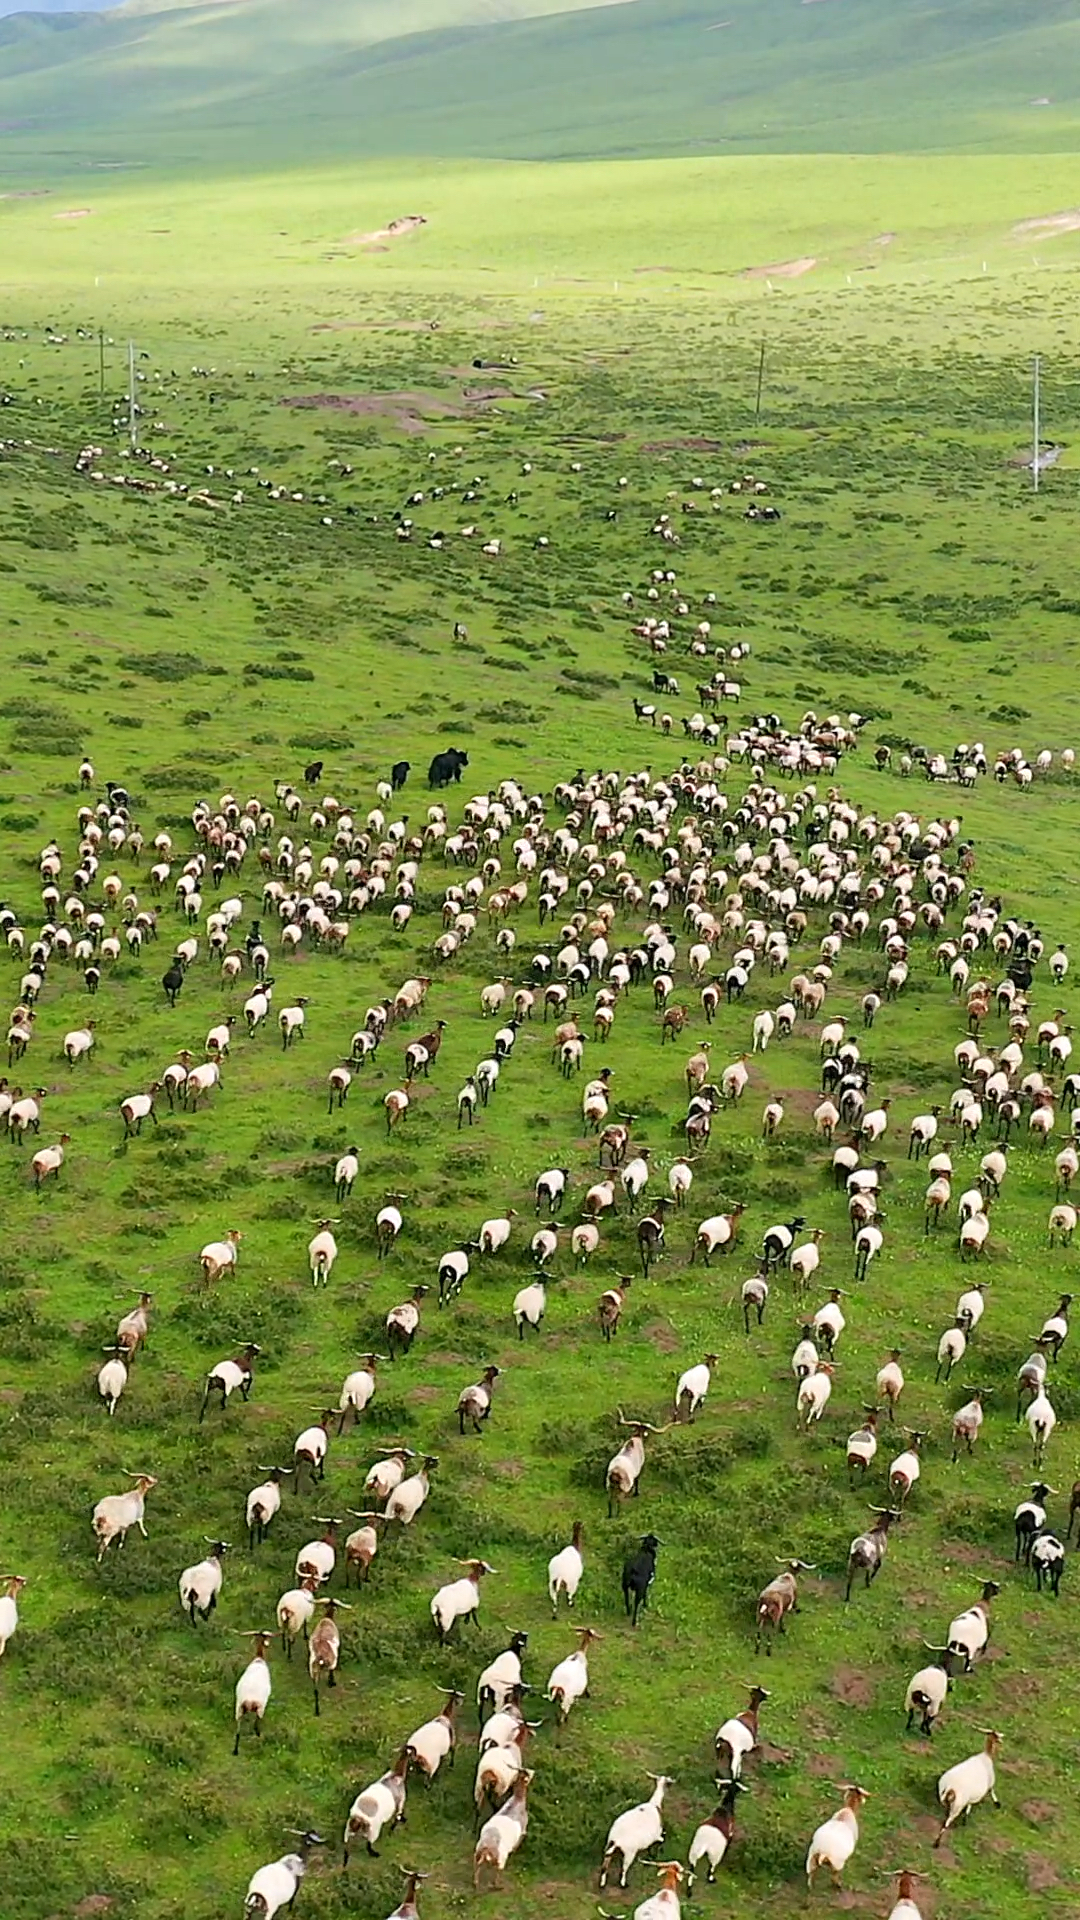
(241, 84)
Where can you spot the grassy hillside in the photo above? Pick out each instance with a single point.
(193, 652)
(235, 85)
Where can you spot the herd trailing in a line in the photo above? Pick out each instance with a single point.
(647, 901)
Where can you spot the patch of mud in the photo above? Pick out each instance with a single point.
(397, 230)
(412, 412)
(1039, 1812)
(1045, 226)
(663, 1337)
(1041, 1873)
(696, 444)
(781, 269)
(375, 326)
(852, 1687)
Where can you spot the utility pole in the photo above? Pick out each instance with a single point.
(760, 382)
(133, 429)
(1035, 397)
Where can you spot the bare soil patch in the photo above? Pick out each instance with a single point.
(396, 230)
(74, 213)
(1047, 225)
(374, 326)
(695, 444)
(852, 1687)
(663, 1337)
(781, 269)
(409, 411)
(1039, 1812)
(1041, 1873)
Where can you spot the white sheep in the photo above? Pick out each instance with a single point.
(79, 1043)
(219, 1256)
(634, 1831)
(693, 1385)
(358, 1389)
(261, 1505)
(502, 1835)
(345, 1172)
(430, 1745)
(295, 1610)
(112, 1379)
(382, 1804)
(813, 1395)
(47, 1161)
(680, 1180)
(322, 1252)
(274, 1887)
(201, 1080)
(584, 1240)
(565, 1570)
(529, 1307)
(118, 1512)
(494, 1234)
(291, 1022)
(926, 1695)
(459, 1599)
(834, 1842)
(409, 1495)
(9, 1607)
(962, 1787)
(569, 1680)
(253, 1688)
(201, 1584)
(1041, 1420)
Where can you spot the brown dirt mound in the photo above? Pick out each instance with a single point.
(852, 1687)
(1046, 226)
(696, 444)
(374, 326)
(397, 229)
(409, 411)
(781, 270)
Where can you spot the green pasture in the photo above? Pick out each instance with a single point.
(200, 89)
(913, 578)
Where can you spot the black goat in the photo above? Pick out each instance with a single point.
(638, 1574)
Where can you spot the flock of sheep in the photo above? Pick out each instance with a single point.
(705, 883)
(730, 890)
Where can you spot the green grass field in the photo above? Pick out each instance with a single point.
(258, 84)
(914, 577)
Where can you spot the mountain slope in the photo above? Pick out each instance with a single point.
(259, 81)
